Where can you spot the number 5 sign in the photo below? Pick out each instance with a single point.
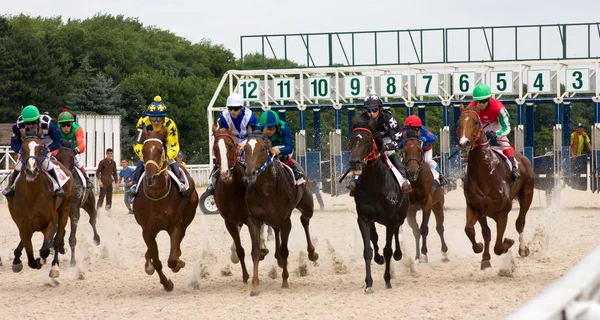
(502, 82)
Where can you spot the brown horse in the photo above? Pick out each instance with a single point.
(489, 189)
(426, 196)
(82, 199)
(271, 195)
(158, 206)
(230, 193)
(378, 198)
(35, 208)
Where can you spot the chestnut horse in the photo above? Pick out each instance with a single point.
(159, 206)
(378, 198)
(271, 195)
(230, 193)
(489, 189)
(83, 198)
(35, 208)
(427, 194)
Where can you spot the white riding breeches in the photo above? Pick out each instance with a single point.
(77, 161)
(46, 166)
(428, 158)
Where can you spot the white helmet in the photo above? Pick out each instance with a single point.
(235, 100)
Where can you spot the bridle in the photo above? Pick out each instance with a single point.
(407, 160)
(269, 159)
(373, 155)
(160, 166)
(235, 152)
(475, 142)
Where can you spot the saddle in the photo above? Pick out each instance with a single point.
(173, 177)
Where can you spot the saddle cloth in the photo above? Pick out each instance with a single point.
(172, 175)
(499, 152)
(398, 175)
(62, 177)
(291, 174)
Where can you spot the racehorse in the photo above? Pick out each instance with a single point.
(158, 206)
(230, 193)
(271, 195)
(82, 198)
(35, 208)
(489, 189)
(427, 194)
(378, 198)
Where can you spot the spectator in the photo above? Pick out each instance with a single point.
(180, 160)
(578, 139)
(126, 180)
(106, 175)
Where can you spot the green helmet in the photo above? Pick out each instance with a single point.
(30, 113)
(482, 92)
(65, 116)
(269, 118)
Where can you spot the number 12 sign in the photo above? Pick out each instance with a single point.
(250, 89)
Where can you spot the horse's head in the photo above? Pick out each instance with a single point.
(225, 150)
(258, 154)
(468, 128)
(154, 154)
(362, 145)
(412, 153)
(32, 154)
(66, 155)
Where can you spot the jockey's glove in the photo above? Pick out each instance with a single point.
(390, 146)
(491, 135)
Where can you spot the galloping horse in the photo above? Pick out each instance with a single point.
(230, 193)
(489, 189)
(35, 208)
(158, 206)
(378, 198)
(427, 195)
(271, 195)
(82, 198)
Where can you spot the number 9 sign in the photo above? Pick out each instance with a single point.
(354, 87)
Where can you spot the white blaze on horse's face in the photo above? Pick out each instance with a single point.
(252, 143)
(223, 155)
(31, 162)
(463, 138)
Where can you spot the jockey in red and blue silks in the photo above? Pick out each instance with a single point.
(495, 121)
(415, 124)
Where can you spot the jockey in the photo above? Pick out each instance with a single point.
(241, 120)
(495, 121)
(31, 123)
(387, 126)
(414, 123)
(71, 131)
(280, 135)
(156, 119)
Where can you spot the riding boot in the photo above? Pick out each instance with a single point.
(184, 190)
(352, 185)
(406, 187)
(298, 173)
(58, 192)
(442, 179)
(10, 190)
(88, 182)
(135, 177)
(515, 170)
(211, 187)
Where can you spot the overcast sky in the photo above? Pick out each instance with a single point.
(223, 22)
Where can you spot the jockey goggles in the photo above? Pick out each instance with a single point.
(157, 119)
(373, 110)
(234, 108)
(483, 101)
(62, 125)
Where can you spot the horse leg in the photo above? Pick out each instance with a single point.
(17, 264)
(26, 241)
(277, 247)
(487, 237)
(263, 247)
(269, 234)
(45, 250)
(153, 250)
(234, 231)
(75, 215)
(174, 262)
(502, 244)
(425, 230)
(90, 207)
(398, 251)
(148, 267)
(525, 198)
(438, 212)
(286, 227)
(387, 254)
(312, 254)
(254, 228)
(375, 239)
(470, 229)
(365, 231)
(411, 218)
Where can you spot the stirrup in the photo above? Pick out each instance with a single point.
(132, 190)
(9, 192)
(59, 192)
(406, 187)
(184, 190)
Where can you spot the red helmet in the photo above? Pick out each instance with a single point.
(413, 121)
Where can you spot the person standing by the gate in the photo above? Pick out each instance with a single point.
(126, 180)
(106, 174)
(578, 139)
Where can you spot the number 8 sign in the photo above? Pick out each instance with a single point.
(391, 85)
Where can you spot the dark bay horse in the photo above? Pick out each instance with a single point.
(489, 189)
(425, 196)
(159, 206)
(378, 198)
(230, 193)
(35, 208)
(83, 198)
(271, 195)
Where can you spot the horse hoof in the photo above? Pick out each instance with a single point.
(478, 247)
(73, 263)
(149, 269)
(485, 265)
(54, 272)
(369, 290)
(524, 252)
(379, 259)
(263, 253)
(398, 255)
(97, 241)
(285, 285)
(445, 257)
(388, 285)
(169, 285)
(254, 293)
(234, 258)
(245, 279)
(16, 268)
(280, 262)
(423, 259)
(313, 256)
